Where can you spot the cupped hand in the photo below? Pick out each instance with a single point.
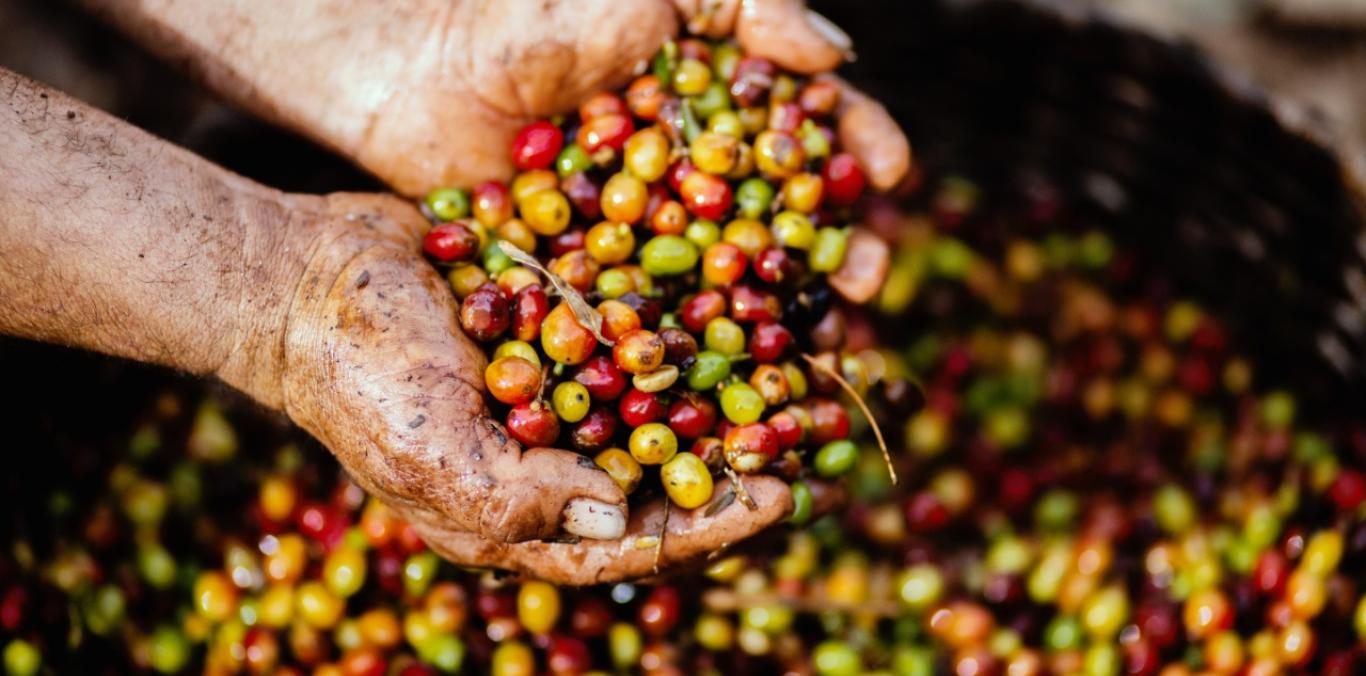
(374, 365)
(431, 92)
(484, 69)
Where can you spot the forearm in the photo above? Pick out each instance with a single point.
(117, 242)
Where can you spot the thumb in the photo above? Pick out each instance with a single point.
(542, 489)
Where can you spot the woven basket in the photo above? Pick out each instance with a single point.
(1238, 195)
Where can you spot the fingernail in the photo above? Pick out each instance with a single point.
(589, 518)
(828, 30)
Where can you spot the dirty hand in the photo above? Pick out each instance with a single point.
(375, 366)
(320, 307)
(430, 92)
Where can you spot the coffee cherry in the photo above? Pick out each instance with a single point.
(536, 145)
(653, 444)
(768, 380)
(595, 431)
(621, 467)
(769, 342)
(679, 347)
(687, 481)
(603, 378)
(451, 243)
(778, 154)
(529, 309)
(448, 204)
(492, 204)
(563, 338)
(513, 380)
(843, 179)
(533, 424)
(700, 309)
(692, 417)
(485, 314)
(638, 408)
(639, 351)
(750, 447)
(706, 195)
(571, 401)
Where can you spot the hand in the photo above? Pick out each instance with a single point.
(432, 95)
(374, 364)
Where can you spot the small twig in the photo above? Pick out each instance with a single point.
(721, 503)
(584, 314)
(877, 431)
(740, 491)
(663, 530)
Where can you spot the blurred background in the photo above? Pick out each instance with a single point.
(1303, 59)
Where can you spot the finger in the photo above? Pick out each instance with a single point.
(868, 132)
(566, 490)
(789, 34)
(532, 494)
(691, 535)
(866, 261)
(713, 18)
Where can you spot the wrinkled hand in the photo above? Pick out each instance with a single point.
(428, 93)
(376, 367)
(496, 65)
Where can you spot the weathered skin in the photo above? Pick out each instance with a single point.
(321, 306)
(425, 93)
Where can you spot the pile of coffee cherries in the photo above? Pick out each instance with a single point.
(1095, 483)
(648, 281)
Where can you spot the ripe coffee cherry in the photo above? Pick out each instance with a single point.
(843, 179)
(533, 424)
(693, 417)
(451, 243)
(639, 351)
(605, 135)
(750, 447)
(705, 195)
(513, 380)
(536, 145)
(485, 314)
(829, 421)
(748, 304)
(492, 204)
(775, 266)
(659, 613)
(602, 103)
(788, 429)
(637, 408)
(595, 431)
(702, 308)
(752, 79)
(584, 194)
(769, 342)
(529, 308)
(601, 376)
(563, 338)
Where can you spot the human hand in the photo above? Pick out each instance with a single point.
(369, 358)
(433, 93)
